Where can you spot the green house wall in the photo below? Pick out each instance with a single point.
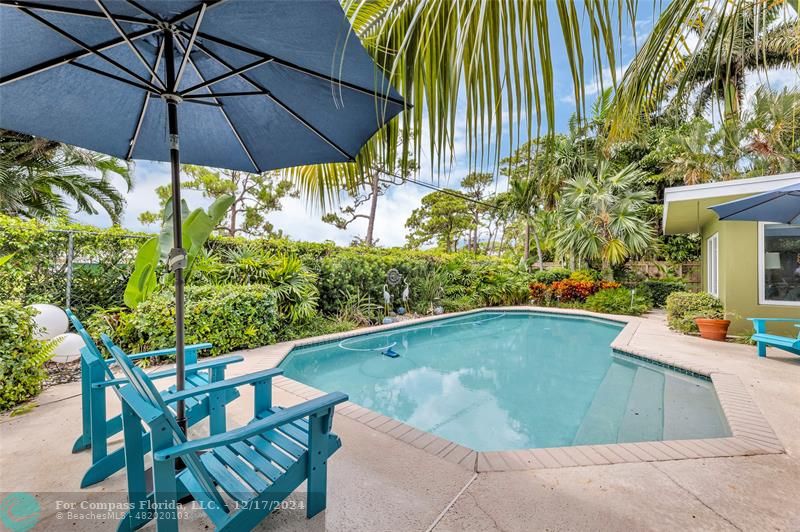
(738, 277)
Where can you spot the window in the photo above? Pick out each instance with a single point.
(779, 264)
(712, 265)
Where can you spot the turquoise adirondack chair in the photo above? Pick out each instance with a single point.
(238, 477)
(764, 339)
(96, 378)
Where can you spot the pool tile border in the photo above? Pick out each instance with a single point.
(751, 433)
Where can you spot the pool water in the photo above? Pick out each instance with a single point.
(515, 380)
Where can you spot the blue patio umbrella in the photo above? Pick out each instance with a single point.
(254, 86)
(781, 205)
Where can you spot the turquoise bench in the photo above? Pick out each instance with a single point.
(764, 339)
(237, 477)
(96, 378)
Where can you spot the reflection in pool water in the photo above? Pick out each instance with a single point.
(493, 381)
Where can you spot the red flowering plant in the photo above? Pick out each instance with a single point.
(540, 293)
(572, 290)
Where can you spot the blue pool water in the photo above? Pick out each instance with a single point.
(495, 381)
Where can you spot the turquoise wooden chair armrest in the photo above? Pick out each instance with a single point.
(167, 351)
(288, 415)
(774, 319)
(206, 364)
(252, 378)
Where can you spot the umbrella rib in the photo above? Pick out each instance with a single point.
(222, 77)
(144, 10)
(208, 4)
(72, 11)
(137, 53)
(224, 113)
(221, 95)
(299, 68)
(115, 77)
(190, 45)
(64, 59)
(286, 108)
(140, 121)
(88, 48)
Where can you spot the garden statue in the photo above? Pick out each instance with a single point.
(387, 304)
(404, 296)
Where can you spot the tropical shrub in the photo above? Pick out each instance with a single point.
(550, 275)
(229, 316)
(684, 307)
(429, 290)
(358, 308)
(540, 293)
(618, 301)
(197, 227)
(22, 357)
(659, 289)
(501, 286)
(570, 290)
(586, 274)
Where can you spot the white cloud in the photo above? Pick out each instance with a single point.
(596, 85)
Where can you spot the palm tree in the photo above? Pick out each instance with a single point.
(499, 54)
(733, 39)
(38, 176)
(604, 216)
(522, 201)
(695, 158)
(755, 41)
(771, 129)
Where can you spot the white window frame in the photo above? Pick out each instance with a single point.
(762, 300)
(712, 265)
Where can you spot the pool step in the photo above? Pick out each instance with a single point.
(644, 415)
(688, 414)
(602, 419)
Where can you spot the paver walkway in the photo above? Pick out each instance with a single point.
(378, 482)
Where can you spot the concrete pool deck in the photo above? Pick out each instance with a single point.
(380, 482)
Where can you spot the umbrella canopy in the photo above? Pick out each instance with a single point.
(781, 205)
(253, 86)
(268, 84)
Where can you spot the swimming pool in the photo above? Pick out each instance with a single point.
(513, 380)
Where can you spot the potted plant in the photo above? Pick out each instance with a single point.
(690, 311)
(713, 326)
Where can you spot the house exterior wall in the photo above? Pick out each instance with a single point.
(738, 277)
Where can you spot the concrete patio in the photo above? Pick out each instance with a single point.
(379, 482)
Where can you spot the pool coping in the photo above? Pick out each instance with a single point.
(751, 433)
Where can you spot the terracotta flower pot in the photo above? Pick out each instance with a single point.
(712, 329)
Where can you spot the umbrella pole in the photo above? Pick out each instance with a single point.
(177, 256)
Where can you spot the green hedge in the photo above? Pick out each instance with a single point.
(659, 289)
(684, 307)
(229, 316)
(618, 301)
(550, 275)
(37, 271)
(22, 357)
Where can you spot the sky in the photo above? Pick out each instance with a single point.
(299, 221)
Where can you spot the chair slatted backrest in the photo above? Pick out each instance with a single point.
(140, 382)
(88, 341)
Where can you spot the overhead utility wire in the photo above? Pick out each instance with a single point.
(430, 186)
